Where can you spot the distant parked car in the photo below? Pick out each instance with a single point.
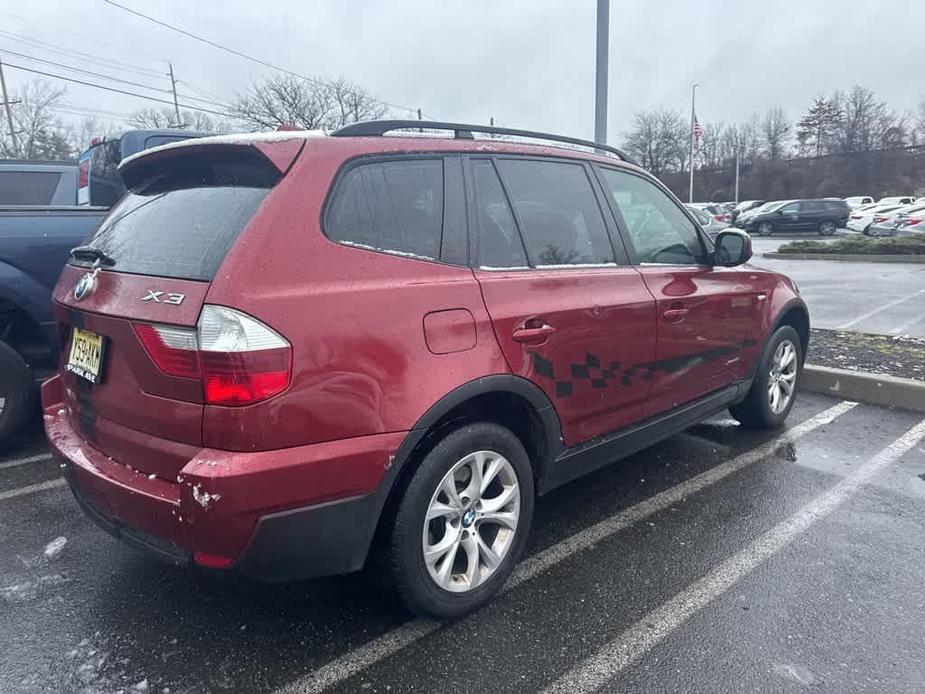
(745, 206)
(32, 182)
(887, 223)
(861, 219)
(710, 223)
(714, 209)
(898, 200)
(859, 201)
(822, 216)
(913, 225)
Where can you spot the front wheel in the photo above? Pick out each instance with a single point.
(773, 391)
(765, 229)
(463, 521)
(827, 228)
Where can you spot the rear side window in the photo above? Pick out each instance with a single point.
(393, 206)
(182, 221)
(28, 187)
(106, 185)
(499, 241)
(558, 212)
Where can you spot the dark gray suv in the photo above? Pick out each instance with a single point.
(822, 216)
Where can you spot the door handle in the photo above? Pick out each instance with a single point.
(533, 334)
(675, 315)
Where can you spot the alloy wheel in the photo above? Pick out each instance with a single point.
(471, 521)
(783, 376)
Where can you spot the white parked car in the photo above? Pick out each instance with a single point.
(889, 223)
(898, 200)
(857, 201)
(861, 219)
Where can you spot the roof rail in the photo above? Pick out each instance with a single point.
(464, 131)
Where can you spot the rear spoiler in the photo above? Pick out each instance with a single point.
(278, 155)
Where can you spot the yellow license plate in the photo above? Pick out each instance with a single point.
(86, 357)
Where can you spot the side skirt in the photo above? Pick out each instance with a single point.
(579, 460)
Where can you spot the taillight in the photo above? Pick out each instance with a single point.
(173, 350)
(719, 217)
(909, 221)
(877, 220)
(239, 360)
(83, 174)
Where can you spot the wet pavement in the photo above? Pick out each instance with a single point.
(721, 560)
(882, 298)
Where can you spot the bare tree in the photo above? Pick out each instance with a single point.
(917, 131)
(775, 133)
(39, 134)
(289, 100)
(865, 121)
(658, 141)
(163, 118)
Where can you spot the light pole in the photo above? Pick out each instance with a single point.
(693, 123)
(600, 84)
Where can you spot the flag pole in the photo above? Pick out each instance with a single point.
(693, 119)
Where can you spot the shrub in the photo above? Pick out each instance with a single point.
(902, 245)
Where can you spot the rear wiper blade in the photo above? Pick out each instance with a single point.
(92, 255)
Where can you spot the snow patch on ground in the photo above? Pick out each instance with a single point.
(55, 547)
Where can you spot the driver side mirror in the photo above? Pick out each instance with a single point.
(732, 247)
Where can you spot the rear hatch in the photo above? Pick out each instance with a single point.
(131, 300)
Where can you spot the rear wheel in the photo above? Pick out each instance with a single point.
(17, 393)
(873, 231)
(827, 228)
(774, 389)
(765, 229)
(463, 521)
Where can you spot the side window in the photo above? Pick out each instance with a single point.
(813, 206)
(558, 212)
(28, 187)
(499, 241)
(792, 208)
(390, 206)
(659, 231)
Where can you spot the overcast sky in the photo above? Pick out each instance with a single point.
(528, 63)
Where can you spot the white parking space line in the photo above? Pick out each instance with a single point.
(908, 324)
(24, 461)
(874, 312)
(355, 661)
(32, 488)
(660, 623)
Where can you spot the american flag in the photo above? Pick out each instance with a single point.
(697, 130)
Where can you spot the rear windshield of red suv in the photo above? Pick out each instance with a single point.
(182, 221)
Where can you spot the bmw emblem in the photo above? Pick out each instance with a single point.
(85, 286)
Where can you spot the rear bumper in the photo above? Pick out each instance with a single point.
(272, 515)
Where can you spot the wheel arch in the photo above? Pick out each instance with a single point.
(505, 399)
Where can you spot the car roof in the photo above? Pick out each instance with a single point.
(403, 142)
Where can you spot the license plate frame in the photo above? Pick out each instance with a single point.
(86, 355)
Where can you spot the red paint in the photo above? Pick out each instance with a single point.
(607, 312)
(376, 340)
(449, 331)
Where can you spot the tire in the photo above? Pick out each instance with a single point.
(17, 394)
(765, 229)
(827, 227)
(419, 583)
(758, 410)
(872, 232)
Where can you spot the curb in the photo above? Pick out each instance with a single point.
(873, 389)
(847, 257)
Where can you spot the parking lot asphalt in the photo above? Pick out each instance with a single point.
(887, 298)
(720, 560)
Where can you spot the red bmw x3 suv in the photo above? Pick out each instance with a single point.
(282, 350)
